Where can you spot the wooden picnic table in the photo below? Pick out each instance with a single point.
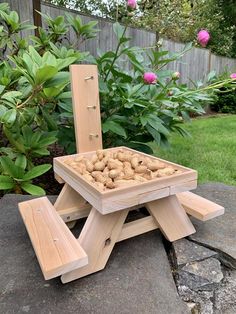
(168, 201)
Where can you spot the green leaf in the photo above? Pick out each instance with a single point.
(6, 183)
(32, 189)
(52, 125)
(21, 161)
(140, 147)
(59, 79)
(9, 117)
(155, 134)
(113, 127)
(3, 110)
(45, 73)
(36, 172)
(51, 91)
(211, 76)
(10, 168)
(118, 30)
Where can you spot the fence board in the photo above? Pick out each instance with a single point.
(221, 64)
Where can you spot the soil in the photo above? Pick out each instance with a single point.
(47, 180)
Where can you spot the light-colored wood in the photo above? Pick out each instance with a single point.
(127, 196)
(75, 213)
(98, 237)
(86, 107)
(199, 207)
(56, 248)
(68, 200)
(137, 227)
(171, 218)
(58, 179)
(180, 187)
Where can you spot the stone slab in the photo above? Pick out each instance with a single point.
(137, 278)
(201, 275)
(220, 232)
(225, 295)
(188, 251)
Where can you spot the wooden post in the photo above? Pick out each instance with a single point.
(37, 16)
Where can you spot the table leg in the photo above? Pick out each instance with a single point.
(71, 206)
(171, 218)
(98, 237)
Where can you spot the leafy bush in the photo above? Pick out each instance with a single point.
(33, 86)
(35, 97)
(226, 102)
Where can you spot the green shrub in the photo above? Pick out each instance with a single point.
(33, 87)
(226, 102)
(35, 96)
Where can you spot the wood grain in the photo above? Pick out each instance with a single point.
(200, 207)
(56, 248)
(171, 218)
(98, 237)
(137, 227)
(86, 107)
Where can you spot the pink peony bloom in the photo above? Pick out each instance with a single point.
(150, 78)
(132, 4)
(203, 37)
(175, 76)
(233, 76)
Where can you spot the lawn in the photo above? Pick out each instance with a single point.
(211, 149)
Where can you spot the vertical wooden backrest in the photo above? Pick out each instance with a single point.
(86, 107)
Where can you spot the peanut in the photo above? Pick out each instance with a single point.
(99, 166)
(140, 169)
(94, 159)
(114, 173)
(89, 166)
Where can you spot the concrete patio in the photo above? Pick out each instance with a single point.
(128, 284)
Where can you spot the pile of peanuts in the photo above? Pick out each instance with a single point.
(112, 169)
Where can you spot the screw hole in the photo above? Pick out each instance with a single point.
(108, 241)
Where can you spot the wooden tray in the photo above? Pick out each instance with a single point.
(123, 197)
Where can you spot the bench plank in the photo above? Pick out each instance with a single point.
(199, 207)
(56, 248)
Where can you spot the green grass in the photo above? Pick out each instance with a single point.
(211, 150)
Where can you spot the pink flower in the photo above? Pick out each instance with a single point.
(132, 4)
(150, 78)
(175, 76)
(233, 76)
(203, 37)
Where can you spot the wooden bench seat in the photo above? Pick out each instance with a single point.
(57, 250)
(199, 207)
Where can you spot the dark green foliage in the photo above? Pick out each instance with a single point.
(35, 96)
(34, 85)
(226, 102)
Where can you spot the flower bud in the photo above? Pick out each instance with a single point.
(233, 76)
(132, 4)
(175, 76)
(203, 37)
(150, 78)
(170, 93)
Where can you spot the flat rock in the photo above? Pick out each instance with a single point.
(225, 295)
(201, 275)
(137, 278)
(201, 300)
(220, 232)
(187, 252)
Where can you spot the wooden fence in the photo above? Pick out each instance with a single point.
(194, 65)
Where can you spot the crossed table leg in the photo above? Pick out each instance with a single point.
(101, 232)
